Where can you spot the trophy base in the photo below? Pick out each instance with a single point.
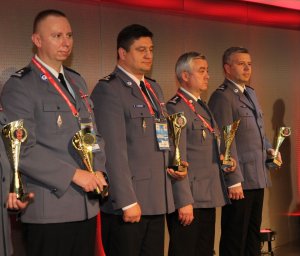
(97, 192)
(273, 163)
(23, 197)
(179, 168)
(226, 164)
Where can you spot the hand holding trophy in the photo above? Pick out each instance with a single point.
(274, 162)
(14, 134)
(83, 142)
(177, 122)
(229, 133)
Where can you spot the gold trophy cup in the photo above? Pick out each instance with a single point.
(13, 135)
(229, 133)
(274, 162)
(177, 122)
(83, 142)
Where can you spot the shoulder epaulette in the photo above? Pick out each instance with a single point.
(108, 78)
(175, 99)
(71, 70)
(148, 78)
(250, 87)
(22, 72)
(222, 87)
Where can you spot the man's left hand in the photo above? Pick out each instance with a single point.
(15, 204)
(271, 153)
(178, 175)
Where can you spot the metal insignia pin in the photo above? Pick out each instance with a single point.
(59, 121)
(203, 134)
(43, 77)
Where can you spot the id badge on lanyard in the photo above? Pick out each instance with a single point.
(86, 123)
(162, 135)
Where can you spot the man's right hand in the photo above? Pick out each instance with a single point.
(236, 193)
(88, 181)
(186, 215)
(14, 204)
(132, 214)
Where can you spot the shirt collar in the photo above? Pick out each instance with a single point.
(133, 77)
(190, 94)
(241, 88)
(51, 70)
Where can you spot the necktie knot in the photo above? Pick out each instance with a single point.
(200, 102)
(64, 83)
(248, 97)
(148, 95)
(143, 87)
(205, 107)
(62, 80)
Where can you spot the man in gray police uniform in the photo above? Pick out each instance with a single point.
(53, 111)
(195, 223)
(232, 101)
(129, 117)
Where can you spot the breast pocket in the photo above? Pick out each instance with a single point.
(56, 117)
(199, 131)
(247, 116)
(141, 122)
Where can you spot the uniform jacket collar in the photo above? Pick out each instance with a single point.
(51, 88)
(240, 95)
(128, 82)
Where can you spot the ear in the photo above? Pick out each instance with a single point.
(36, 39)
(185, 76)
(122, 53)
(226, 68)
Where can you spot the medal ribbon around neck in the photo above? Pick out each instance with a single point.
(56, 86)
(192, 107)
(149, 87)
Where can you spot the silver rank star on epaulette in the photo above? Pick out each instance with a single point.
(20, 73)
(175, 99)
(108, 78)
(222, 87)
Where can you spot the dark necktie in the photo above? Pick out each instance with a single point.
(205, 107)
(250, 101)
(148, 95)
(63, 81)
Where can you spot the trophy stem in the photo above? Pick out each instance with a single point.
(14, 134)
(177, 160)
(177, 122)
(279, 142)
(273, 161)
(83, 142)
(229, 134)
(17, 186)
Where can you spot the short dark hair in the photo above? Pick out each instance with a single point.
(130, 33)
(235, 49)
(44, 14)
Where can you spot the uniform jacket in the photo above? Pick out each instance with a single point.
(5, 175)
(136, 167)
(48, 160)
(206, 181)
(250, 144)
